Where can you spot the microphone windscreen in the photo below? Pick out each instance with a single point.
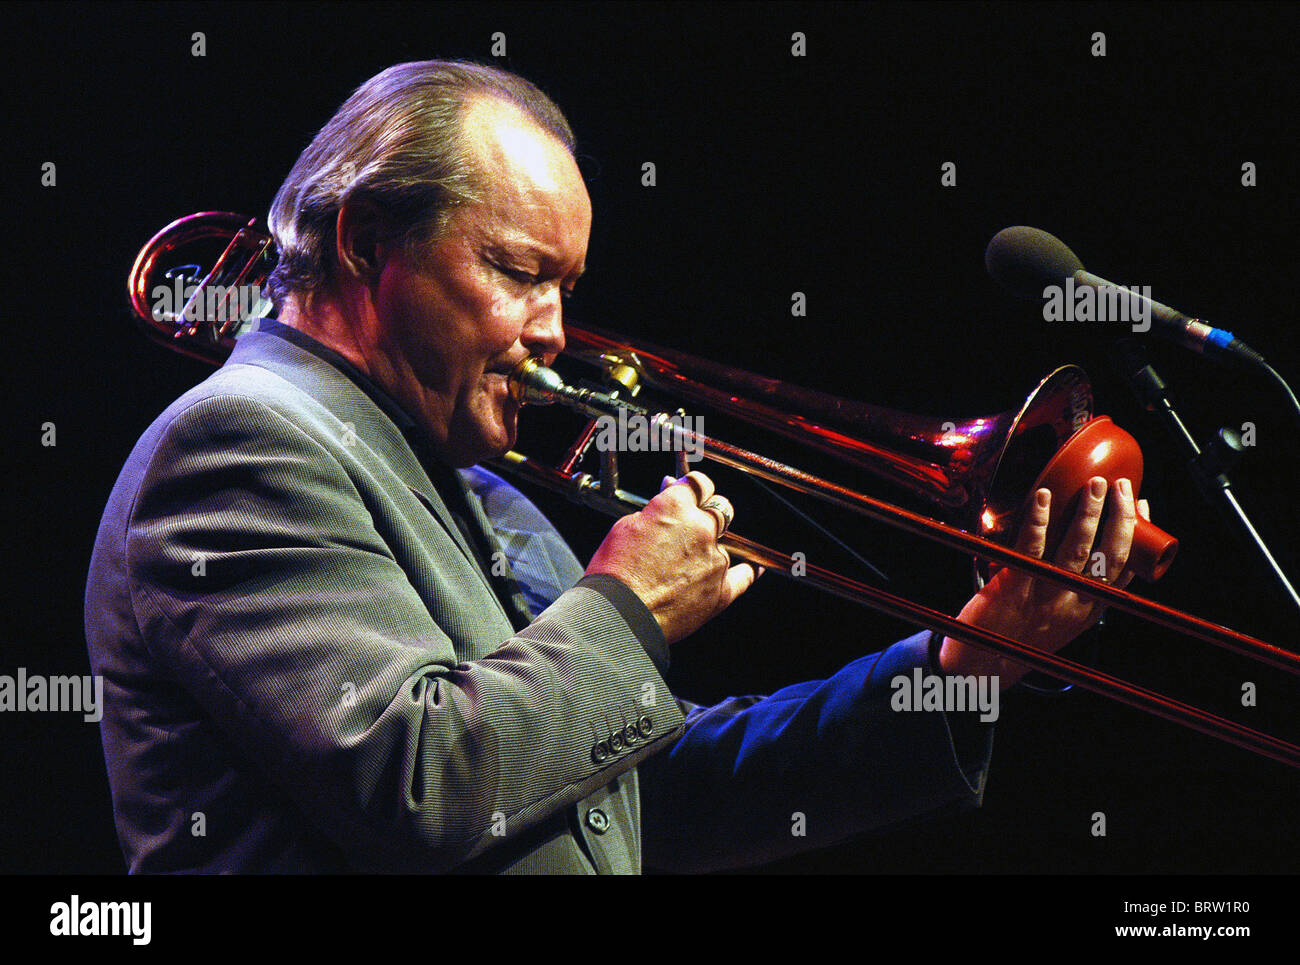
(1026, 260)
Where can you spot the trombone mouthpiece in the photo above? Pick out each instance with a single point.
(532, 383)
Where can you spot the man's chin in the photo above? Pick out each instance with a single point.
(492, 443)
(496, 451)
(508, 429)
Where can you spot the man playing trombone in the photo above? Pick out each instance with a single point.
(315, 644)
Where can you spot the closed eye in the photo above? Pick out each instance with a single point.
(516, 274)
(523, 277)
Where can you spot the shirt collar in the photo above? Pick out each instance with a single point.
(442, 475)
(369, 386)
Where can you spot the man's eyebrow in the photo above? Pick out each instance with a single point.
(521, 246)
(548, 255)
(515, 247)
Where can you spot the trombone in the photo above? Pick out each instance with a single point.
(978, 471)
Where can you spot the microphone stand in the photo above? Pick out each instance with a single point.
(1208, 467)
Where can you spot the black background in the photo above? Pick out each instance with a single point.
(776, 174)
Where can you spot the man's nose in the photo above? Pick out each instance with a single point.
(544, 333)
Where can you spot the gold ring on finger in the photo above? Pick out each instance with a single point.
(720, 508)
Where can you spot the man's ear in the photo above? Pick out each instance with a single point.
(361, 241)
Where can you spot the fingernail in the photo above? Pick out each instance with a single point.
(1098, 487)
(1044, 497)
(1125, 489)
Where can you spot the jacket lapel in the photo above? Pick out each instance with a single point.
(368, 423)
(438, 507)
(512, 594)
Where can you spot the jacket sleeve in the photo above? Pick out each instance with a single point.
(260, 583)
(756, 779)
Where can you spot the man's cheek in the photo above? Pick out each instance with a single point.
(504, 323)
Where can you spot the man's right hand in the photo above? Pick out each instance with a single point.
(668, 555)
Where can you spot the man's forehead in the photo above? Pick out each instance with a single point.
(534, 194)
(504, 141)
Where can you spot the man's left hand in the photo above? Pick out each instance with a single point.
(1039, 613)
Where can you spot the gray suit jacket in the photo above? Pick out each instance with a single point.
(306, 670)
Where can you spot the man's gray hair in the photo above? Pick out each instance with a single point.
(396, 144)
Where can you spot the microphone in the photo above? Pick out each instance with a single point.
(1026, 260)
